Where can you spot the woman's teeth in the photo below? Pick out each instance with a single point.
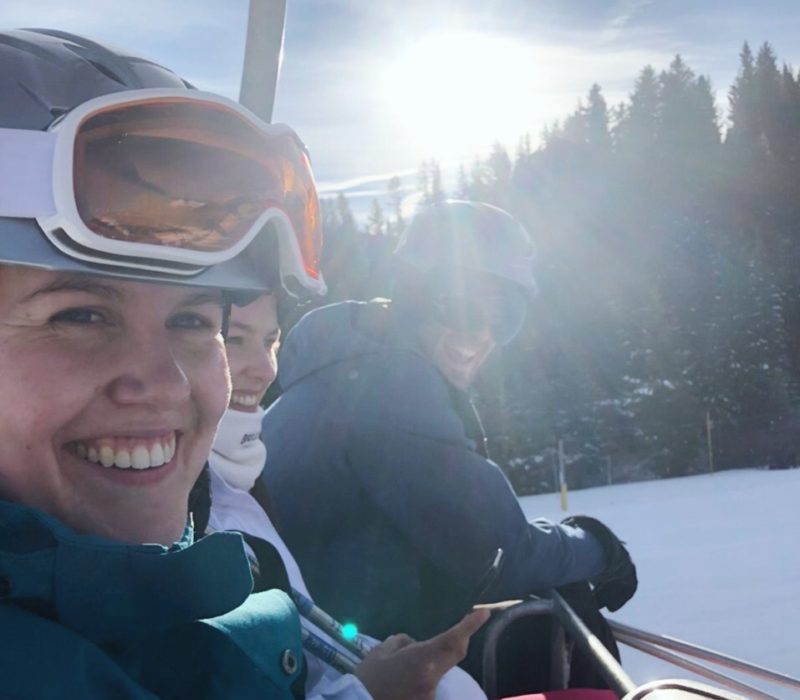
(246, 400)
(128, 453)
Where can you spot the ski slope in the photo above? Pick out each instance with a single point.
(718, 560)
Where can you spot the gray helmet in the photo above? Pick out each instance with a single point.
(471, 236)
(46, 73)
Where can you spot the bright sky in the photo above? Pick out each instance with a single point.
(376, 86)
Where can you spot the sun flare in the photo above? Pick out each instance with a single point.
(453, 94)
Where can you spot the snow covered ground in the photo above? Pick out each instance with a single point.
(718, 558)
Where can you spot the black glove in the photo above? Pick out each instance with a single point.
(616, 584)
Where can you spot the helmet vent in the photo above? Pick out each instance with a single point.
(106, 71)
(30, 92)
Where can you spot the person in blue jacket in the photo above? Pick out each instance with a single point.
(398, 513)
(133, 212)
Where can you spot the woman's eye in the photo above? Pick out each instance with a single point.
(234, 340)
(194, 322)
(78, 316)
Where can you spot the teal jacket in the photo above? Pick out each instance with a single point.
(83, 617)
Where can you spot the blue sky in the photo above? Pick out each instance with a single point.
(376, 86)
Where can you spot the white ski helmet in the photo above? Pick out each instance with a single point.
(114, 165)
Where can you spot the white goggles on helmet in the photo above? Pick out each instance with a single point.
(163, 180)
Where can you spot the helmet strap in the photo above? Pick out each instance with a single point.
(226, 316)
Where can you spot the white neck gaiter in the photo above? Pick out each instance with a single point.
(238, 454)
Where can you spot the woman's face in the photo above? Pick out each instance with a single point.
(458, 354)
(110, 394)
(252, 346)
(458, 335)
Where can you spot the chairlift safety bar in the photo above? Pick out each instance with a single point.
(626, 634)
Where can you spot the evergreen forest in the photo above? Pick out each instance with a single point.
(664, 339)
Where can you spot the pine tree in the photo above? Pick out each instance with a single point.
(500, 167)
(743, 113)
(394, 188)
(463, 185)
(376, 223)
(767, 82)
(523, 147)
(676, 118)
(637, 128)
(424, 179)
(706, 135)
(343, 263)
(787, 126)
(575, 129)
(436, 192)
(597, 124)
(345, 214)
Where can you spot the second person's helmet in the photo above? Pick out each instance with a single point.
(470, 236)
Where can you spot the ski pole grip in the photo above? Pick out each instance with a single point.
(329, 624)
(488, 578)
(322, 650)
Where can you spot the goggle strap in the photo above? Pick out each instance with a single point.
(26, 166)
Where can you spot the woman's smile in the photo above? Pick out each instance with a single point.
(128, 452)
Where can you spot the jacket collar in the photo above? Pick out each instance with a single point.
(108, 591)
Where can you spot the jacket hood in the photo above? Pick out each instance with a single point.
(327, 336)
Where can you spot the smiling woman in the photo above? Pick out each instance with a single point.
(113, 376)
(454, 93)
(113, 379)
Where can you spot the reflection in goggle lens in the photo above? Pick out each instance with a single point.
(192, 176)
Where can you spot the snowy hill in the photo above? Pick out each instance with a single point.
(718, 560)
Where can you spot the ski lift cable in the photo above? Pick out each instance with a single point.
(625, 632)
(701, 670)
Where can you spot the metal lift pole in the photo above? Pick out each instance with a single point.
(263, 51)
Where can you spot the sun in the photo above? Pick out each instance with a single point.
(451, 95)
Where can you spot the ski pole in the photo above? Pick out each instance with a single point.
(611, 670)
(489, 577)
(326, 622)
(356, 645)
(329, 654)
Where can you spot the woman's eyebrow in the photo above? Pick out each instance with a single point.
(200, 298)
(241, 326)
(78, 283)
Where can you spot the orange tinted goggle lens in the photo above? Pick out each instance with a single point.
(190, 175)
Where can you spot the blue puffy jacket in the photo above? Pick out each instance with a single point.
(391, 513)
(82, 617)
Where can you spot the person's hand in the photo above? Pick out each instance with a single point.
(402, 669)
(616, 584)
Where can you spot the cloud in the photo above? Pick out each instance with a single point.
(143, 18)
(627, 11)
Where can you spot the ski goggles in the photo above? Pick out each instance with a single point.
(502, 312)
(171, 181)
